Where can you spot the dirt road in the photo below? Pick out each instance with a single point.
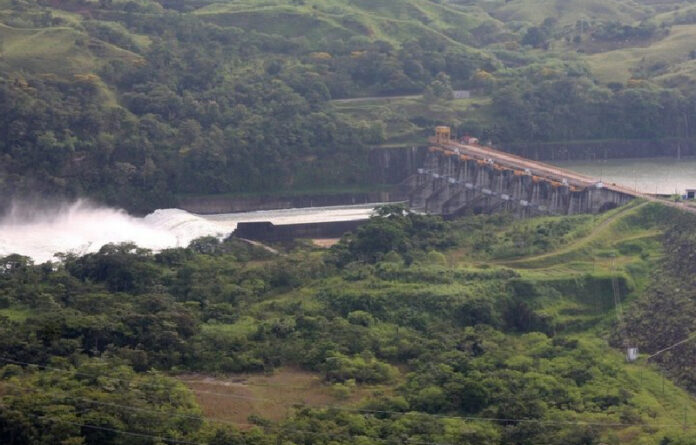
(368, 99)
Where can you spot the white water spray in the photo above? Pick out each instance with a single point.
(40, 231)
(81, 228)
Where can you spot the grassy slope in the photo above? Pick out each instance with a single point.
(610, 246)
(57, 50)
(64, 51)
(673, 51)
(568, 12)
(670, 52)
(618, 244)
(390, 20)
(608, 233)
(395, 21)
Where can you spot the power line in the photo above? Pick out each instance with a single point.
(232, 396)
(438, 416)
(278, 428)
(113, 430)
(82, 374)
(134, 408)
(450, 417)
(692, 337)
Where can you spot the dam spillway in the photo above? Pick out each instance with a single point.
(462, 178)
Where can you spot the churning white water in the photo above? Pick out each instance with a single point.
(81, 227)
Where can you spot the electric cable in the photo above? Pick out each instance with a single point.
(441, 416)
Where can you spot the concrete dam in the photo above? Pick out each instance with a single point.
(458, 178)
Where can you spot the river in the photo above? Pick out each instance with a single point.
(648, 175)
(82, 228)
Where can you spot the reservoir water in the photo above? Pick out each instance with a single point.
(648, 175)
(84, 228)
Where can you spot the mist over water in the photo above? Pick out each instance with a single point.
(81, 227)
(39, 231)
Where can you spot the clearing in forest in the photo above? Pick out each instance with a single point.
(238, 397)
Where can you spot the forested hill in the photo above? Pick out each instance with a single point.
(478, 331)
(135, 102)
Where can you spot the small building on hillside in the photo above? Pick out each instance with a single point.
(690, 193)
(461, 94)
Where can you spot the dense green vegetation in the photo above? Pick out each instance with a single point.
(136, 102)
(481, 330)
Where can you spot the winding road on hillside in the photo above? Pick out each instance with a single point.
(594, 235)
(373, 98)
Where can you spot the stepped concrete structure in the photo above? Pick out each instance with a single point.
(458, 178)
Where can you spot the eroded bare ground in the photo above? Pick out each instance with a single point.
(326, 242)
(236, 397)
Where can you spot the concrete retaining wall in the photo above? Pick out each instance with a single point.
(269, 232)
(449, 185)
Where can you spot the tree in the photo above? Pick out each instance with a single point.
(536, 37)
(440, 88)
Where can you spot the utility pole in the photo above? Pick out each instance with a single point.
(686, 131)
(635, 180)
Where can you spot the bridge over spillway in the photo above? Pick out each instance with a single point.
(459, 178)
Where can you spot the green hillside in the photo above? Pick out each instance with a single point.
(480, 330)
(567, 13)
(483, 330)
(135, 103)
(668, 60)
(393, 21)
(58, 51)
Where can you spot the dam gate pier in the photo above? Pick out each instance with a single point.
(458, 178)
